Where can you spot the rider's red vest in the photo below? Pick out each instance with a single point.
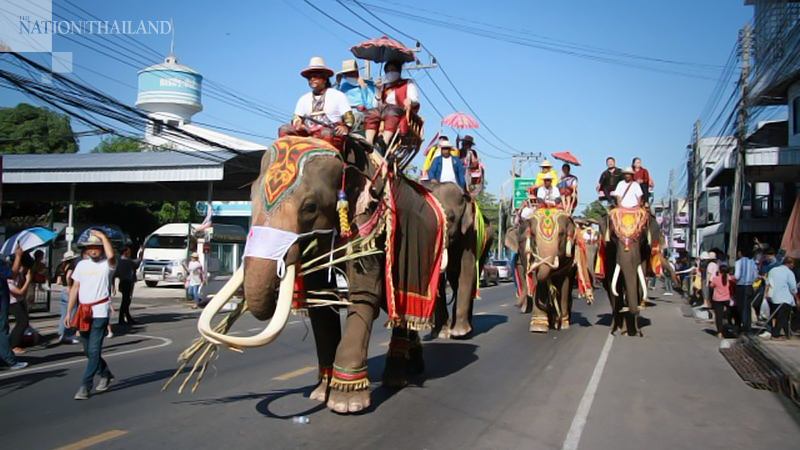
(400, 90)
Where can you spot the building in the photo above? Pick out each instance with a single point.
(772, 155)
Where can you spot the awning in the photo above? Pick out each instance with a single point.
(775, 164)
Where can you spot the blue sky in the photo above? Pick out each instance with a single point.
(535, 100)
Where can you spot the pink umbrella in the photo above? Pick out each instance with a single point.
(460, 121)
(381, 50)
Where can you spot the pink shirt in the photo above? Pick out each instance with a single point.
(722, 292)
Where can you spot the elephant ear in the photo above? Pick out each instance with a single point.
(512, 239)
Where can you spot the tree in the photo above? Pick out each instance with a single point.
(595, 210)
(26, 129)
(118, 144)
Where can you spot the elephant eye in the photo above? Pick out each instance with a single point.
(309, 208)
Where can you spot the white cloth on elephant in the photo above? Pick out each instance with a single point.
(526, 213)
(629, 195)
(272, 243)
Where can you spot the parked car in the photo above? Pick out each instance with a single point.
(489, 274)
(503, 270)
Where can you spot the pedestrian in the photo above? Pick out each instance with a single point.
(609, 180)
(64, 279)
(91, 282)
(18, 288)
(6, 355)
(642, 176)
(745, 273)
(782, 296)
(39, 271)
(712, 270)
(195, 278)
(126, 274)
(721, 297)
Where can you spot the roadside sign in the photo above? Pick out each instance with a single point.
(521, 186)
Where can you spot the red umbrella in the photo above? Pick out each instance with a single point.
(382, 50)
(567, 158)
(460, 121)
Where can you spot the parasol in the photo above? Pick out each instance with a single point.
(28, 240)
(567, 157)
(382, 50)
(460, 121)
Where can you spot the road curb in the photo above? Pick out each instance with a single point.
(763, 368)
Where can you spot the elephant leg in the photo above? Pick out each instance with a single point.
(404, 358)
(349, 385)
(327, 335)
(464, 287)
(565, 297)
(539, 319)
(441, 327)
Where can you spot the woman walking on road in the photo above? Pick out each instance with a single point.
(721, 296)
(18, 286)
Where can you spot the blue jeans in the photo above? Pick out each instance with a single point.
(62, 331)
(92, 341)
(194, 293)
(6, 355)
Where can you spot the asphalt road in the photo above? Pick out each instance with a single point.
(504, 388)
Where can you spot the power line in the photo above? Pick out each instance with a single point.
(335, 20)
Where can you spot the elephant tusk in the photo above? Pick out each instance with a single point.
(642, 280)
(569, 248)
(445, 257)
(614, 281)
(272, 330)
(555, 263)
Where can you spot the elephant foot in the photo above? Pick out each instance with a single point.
(441, 333)
(416, 363)
(348, 402)
(320, 393)
(395, 374)
(564, 323)
(539, 324)
(349, 390)
(460, 330)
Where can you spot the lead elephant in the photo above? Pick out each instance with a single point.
(295, 200)
(629, 247)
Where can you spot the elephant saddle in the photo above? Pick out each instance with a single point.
(628, 224)
(415, 234)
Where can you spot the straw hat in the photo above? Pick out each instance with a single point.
(548, 176)
(195, 255)
(68, 256)
(545, 163)
(92, 241)
(316, 65)
(349, 65)
(445, 143)
(628, 169)
(705, 255)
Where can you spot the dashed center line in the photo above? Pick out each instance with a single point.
(94, 440)
(295, 373)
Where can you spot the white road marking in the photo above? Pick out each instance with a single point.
(576, 429)
(164, 343)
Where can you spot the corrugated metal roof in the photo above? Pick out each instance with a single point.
(100, 161)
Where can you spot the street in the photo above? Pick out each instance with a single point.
(504, 388)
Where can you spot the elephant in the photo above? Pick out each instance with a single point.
(629, 238)
(547, 267)
(464, 263)
(300, 192)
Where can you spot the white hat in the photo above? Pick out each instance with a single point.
(705, 255)
(628, 169)
(545, 163)
(68, 255)
(316, 64)
(445, 143)
(712, 255)
(547, 176)
(195, 255)
(92, 241)
(349, 65)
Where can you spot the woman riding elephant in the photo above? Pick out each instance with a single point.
(303, 194)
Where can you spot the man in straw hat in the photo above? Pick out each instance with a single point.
(447, 168)
(628, 192)
(547, 169)
(323, 113)
(91, 283)
(548, 194)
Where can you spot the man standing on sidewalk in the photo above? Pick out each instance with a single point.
(90, 289)
(195, 279)
(745, 273)
(126, 273)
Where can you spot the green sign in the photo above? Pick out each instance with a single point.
(521, 186)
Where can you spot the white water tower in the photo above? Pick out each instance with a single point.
(169, 92)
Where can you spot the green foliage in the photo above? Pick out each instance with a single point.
(26, 129)
(118, 144)
(490, 206)
(166, 213)
(595, 210)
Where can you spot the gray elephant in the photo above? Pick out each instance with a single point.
(629, 247)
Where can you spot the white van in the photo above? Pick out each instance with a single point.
(167, 250)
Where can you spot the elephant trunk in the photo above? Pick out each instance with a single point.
(543, 273)
(630, 277)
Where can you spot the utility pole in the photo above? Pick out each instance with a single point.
(741, 141)
(692, 191)
(671, 213)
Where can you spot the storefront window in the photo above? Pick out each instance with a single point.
(761, 203)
